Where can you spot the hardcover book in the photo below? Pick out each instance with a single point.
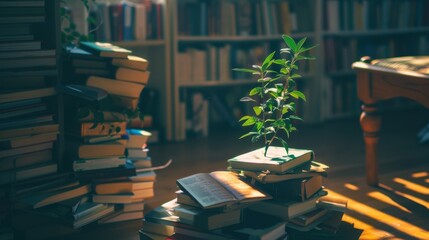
(132, 62)
(116, 87)
(105, 49)
(219, 188)
(276, 161)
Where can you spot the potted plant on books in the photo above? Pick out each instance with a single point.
(273, 101)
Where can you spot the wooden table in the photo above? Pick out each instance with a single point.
(375, 84)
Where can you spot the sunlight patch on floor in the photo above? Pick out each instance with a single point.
(383, 198)
(420, 174)
(370, 232)
(410, 197)
(412, 186)
(384, 218)
(351, 186)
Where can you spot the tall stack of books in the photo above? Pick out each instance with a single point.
(258, 198)
(28, 74)
(131, 192)
(114, 155)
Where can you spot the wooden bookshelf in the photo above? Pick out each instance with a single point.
(343, 30)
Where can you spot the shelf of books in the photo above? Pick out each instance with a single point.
(31, 136)
(210, 38)
(379, 29)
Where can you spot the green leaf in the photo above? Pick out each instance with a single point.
(244, 118)
(267, 62)
(257, 110)
(248, 134)
(249, 122)
(300, 43)
(296, 75)
(297, 94)
(290, 42)
(295, 118)
(255, 91)
(285, 145)
(307, 49)
(245, 70)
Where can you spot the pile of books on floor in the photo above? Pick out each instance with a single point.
(57, 204)
(257, 198)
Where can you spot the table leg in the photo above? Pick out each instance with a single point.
(371, 123)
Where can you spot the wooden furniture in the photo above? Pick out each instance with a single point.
(375, 84)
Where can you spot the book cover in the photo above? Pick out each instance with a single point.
(89, 129)
(99, 150)
(131, 75)
(44, 199)
(135, 196)
(24, 131)
(276, 161)
(132, 62)
(121, 187)
(26, 159)
(207, 220)
(106, 173)
(105, 49)
(116, 87)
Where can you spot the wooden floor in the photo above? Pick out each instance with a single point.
(397, 209)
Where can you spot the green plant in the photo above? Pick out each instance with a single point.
(273, 105)
(69, 33)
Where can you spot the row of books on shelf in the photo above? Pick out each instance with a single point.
(215, 63)
(127, 20)
(341, 53)
(256, 199)
(354, 15)
(243, 18)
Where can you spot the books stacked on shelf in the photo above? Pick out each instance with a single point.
(28, 72)
(128, 20)
(28, 133)
(258, 198)
(243, 18)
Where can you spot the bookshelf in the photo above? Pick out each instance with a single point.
(344, 31)
(203, 40)
(352, 29)
(209, 38)
(31, 72)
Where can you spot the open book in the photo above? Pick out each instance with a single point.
(219, 188)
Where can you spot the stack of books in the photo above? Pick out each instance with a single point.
(114, 154)
(257, 198)
(57, 202)
(296, 184)
(129, 193)
(28, 73)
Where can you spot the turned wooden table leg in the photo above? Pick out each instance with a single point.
(371, 123)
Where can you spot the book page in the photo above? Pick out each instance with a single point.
(206, 191)
(240, 189)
